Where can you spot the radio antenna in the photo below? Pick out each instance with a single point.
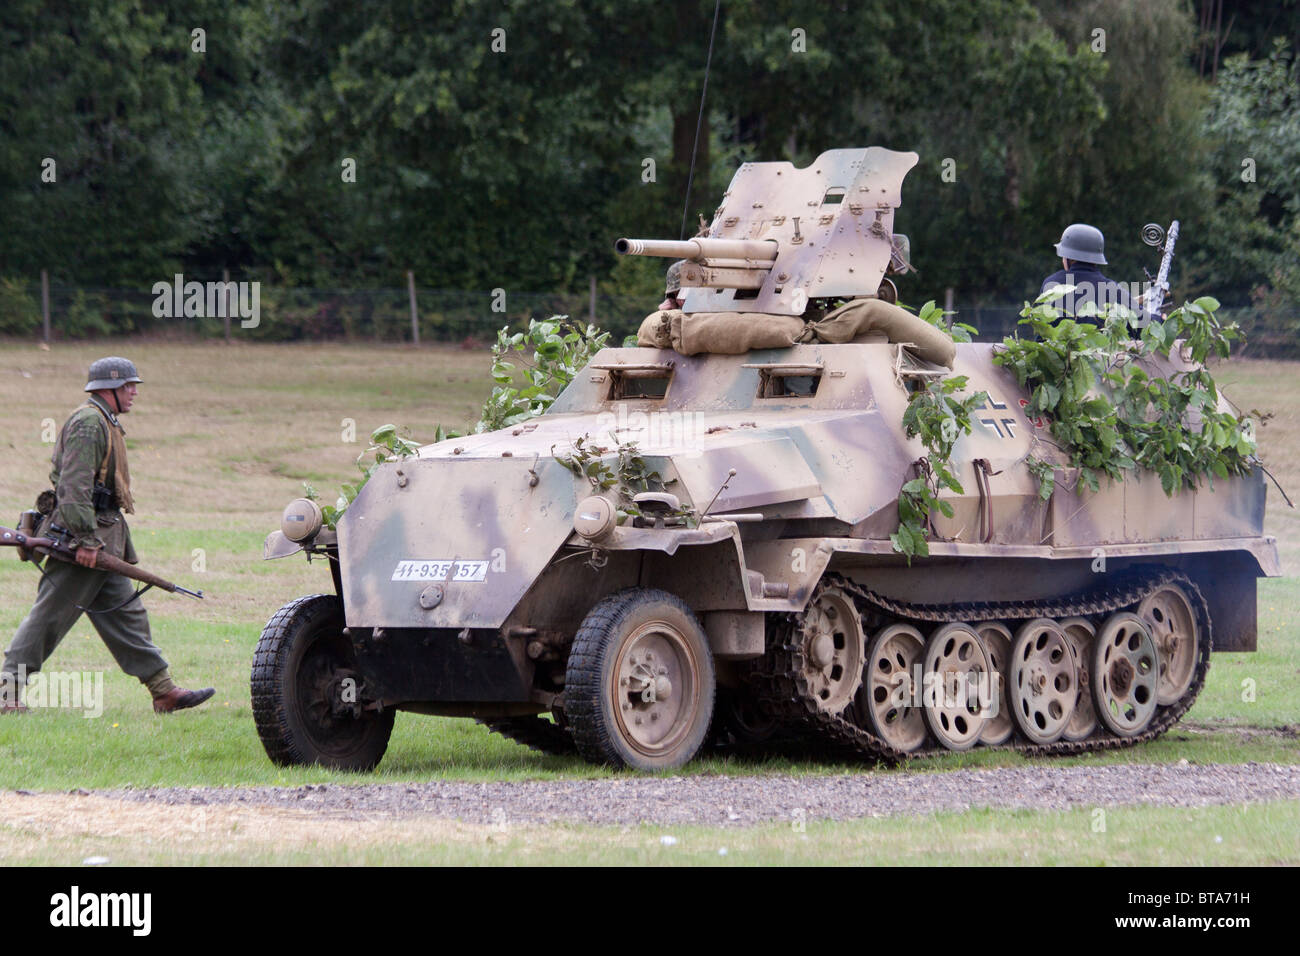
(699, 121)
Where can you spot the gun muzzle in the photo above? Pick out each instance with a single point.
(697, 250)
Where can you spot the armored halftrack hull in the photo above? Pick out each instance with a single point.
(479, 578)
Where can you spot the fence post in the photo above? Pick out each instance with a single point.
(45, 305)
(591, 309)
(225, 295)
(415, 316)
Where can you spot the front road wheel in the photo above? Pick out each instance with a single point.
(307, 702)
(639, 685)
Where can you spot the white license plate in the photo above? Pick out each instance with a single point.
(440, 570)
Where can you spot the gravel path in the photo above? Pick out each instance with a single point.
(741, 801)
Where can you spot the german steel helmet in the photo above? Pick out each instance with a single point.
(1082, 243)
(674, 278)
(111, 372)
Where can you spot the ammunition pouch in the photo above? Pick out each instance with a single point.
(102, 498)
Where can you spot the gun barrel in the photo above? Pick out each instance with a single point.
(761, 250)
(1160, 287)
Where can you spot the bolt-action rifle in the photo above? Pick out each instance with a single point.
(57, 548)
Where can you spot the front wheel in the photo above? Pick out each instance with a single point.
(308, 704)
(639, 685)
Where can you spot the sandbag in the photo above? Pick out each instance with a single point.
(655, 331)
(861, 320)
(732, 333)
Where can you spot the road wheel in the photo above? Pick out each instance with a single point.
(1084, 719)
(997, 640)
(1171, 619)
(956, 663)
(890, 686)
(639, 685)
(308, 703)
(1042, 680)
(831, 649)
(1125, 671)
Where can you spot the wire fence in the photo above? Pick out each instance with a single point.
(259, 312)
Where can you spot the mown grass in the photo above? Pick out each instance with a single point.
(1257, 834)
(222, 437)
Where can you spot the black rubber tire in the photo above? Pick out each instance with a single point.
(310, 629)
(589, 704)
(740, 724)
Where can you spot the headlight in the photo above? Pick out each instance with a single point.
(301, 519)
(594, 518)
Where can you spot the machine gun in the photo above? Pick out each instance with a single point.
(1153, 235)
(57, 548)
(783, 235)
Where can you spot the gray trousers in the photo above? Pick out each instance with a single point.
(63, 587)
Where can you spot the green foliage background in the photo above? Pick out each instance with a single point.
(515, 169)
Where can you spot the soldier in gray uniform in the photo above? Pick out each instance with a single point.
(92, 490)
(1082, 251)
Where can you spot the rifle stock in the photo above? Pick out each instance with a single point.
(103, 562)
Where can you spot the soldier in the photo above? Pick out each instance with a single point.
(1081, 250)
(92, 489)
(673, 294)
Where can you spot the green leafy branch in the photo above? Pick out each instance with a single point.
(385, 445)
(525, 389)
(958, 331)
(939, 416)
(559, 352)
(1114, 417)
(621, 469)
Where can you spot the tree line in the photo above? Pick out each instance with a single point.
(325, 143)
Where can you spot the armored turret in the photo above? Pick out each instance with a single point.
(784, 236)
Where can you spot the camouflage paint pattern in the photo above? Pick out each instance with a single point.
(833, 221)
(823, 471)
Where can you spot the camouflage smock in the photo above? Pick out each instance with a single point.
(78, 455)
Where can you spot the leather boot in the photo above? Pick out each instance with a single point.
(178, 698)
(9, 696)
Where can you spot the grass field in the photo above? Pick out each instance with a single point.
(222, 437)
(66, 829)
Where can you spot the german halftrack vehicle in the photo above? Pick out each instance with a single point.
(752, 582)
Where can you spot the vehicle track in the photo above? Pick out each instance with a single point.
(780, 682)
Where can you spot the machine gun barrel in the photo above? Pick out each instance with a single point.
(1160, 288)
(697, 250)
